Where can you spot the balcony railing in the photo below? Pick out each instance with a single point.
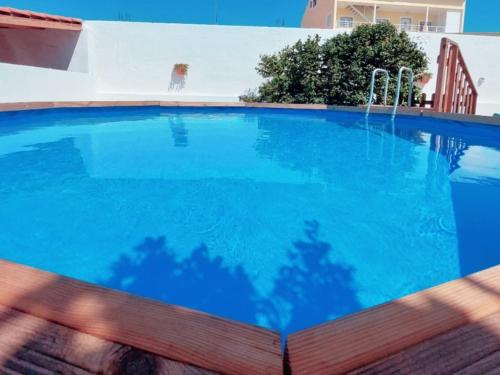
(342, 24)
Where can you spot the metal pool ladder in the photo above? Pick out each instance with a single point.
(398, 89)
(372, 88)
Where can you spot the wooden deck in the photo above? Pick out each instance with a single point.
(471, 349)
(173, 332)
(50, 324)
(376, 334)
(30, 345)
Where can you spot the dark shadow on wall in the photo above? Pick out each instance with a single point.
(42, 346)
(313, 285)
(198, 282)
(204, 283)
(312, 289)
(477, 215)
(476, 204)
(52, 49)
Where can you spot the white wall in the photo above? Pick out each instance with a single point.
(453, 21)
(19, 83)
(134, 61)
(70, 81)
(138, 58)
(480, 54)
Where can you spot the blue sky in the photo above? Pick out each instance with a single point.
(482, 15)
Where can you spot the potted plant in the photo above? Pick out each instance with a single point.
(424, 78)
(181, 69)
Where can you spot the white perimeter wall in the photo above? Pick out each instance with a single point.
(134, 61)
(22, 83)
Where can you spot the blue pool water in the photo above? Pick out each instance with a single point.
(279, 218)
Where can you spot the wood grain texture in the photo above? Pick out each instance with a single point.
(33, 345)
(349, 343)
(170, 331)
(473, 348)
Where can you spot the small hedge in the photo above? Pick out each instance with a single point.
(339, 70)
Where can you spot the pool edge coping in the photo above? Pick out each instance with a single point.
(174, 332)
(227, 346)
(413, 111)
(357, 340)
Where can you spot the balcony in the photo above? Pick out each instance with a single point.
(348, 24)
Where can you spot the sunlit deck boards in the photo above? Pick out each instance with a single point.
(30, 345)
(173, 332)
(376, 334)
(471, 349)
(454, 327)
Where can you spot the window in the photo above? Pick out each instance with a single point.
(313, 3)
(406, 23)
(382, 20)
(346, 22)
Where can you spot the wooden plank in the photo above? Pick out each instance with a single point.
(467, 99)
(489, 365)
(360, 339)
(412, 111)
(19, 22)
(460, 349)
(34, 345)
(453, 75)
(98, 104)
(443, 58)
(451, 80)
(170, 331)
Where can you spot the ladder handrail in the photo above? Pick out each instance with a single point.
(398, 89)
(455, 88)
(372, 88)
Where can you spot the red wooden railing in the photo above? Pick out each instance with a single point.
(455, 90)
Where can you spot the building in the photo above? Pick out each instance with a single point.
(444, 16)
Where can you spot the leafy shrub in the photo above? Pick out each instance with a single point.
(250, 96)
(339, 70)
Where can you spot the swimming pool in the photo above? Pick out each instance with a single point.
(281, 218)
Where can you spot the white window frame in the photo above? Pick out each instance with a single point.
(346, 21)
(403, 27)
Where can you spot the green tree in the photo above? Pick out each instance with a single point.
(339, 70)
(293, 74)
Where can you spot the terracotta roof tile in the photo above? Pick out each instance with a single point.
(38, 16)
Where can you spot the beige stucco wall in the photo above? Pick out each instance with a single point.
(418, 3)
(393, 17)
(317, 17)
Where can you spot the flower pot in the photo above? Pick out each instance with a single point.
(181, 69)
(425, 78)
